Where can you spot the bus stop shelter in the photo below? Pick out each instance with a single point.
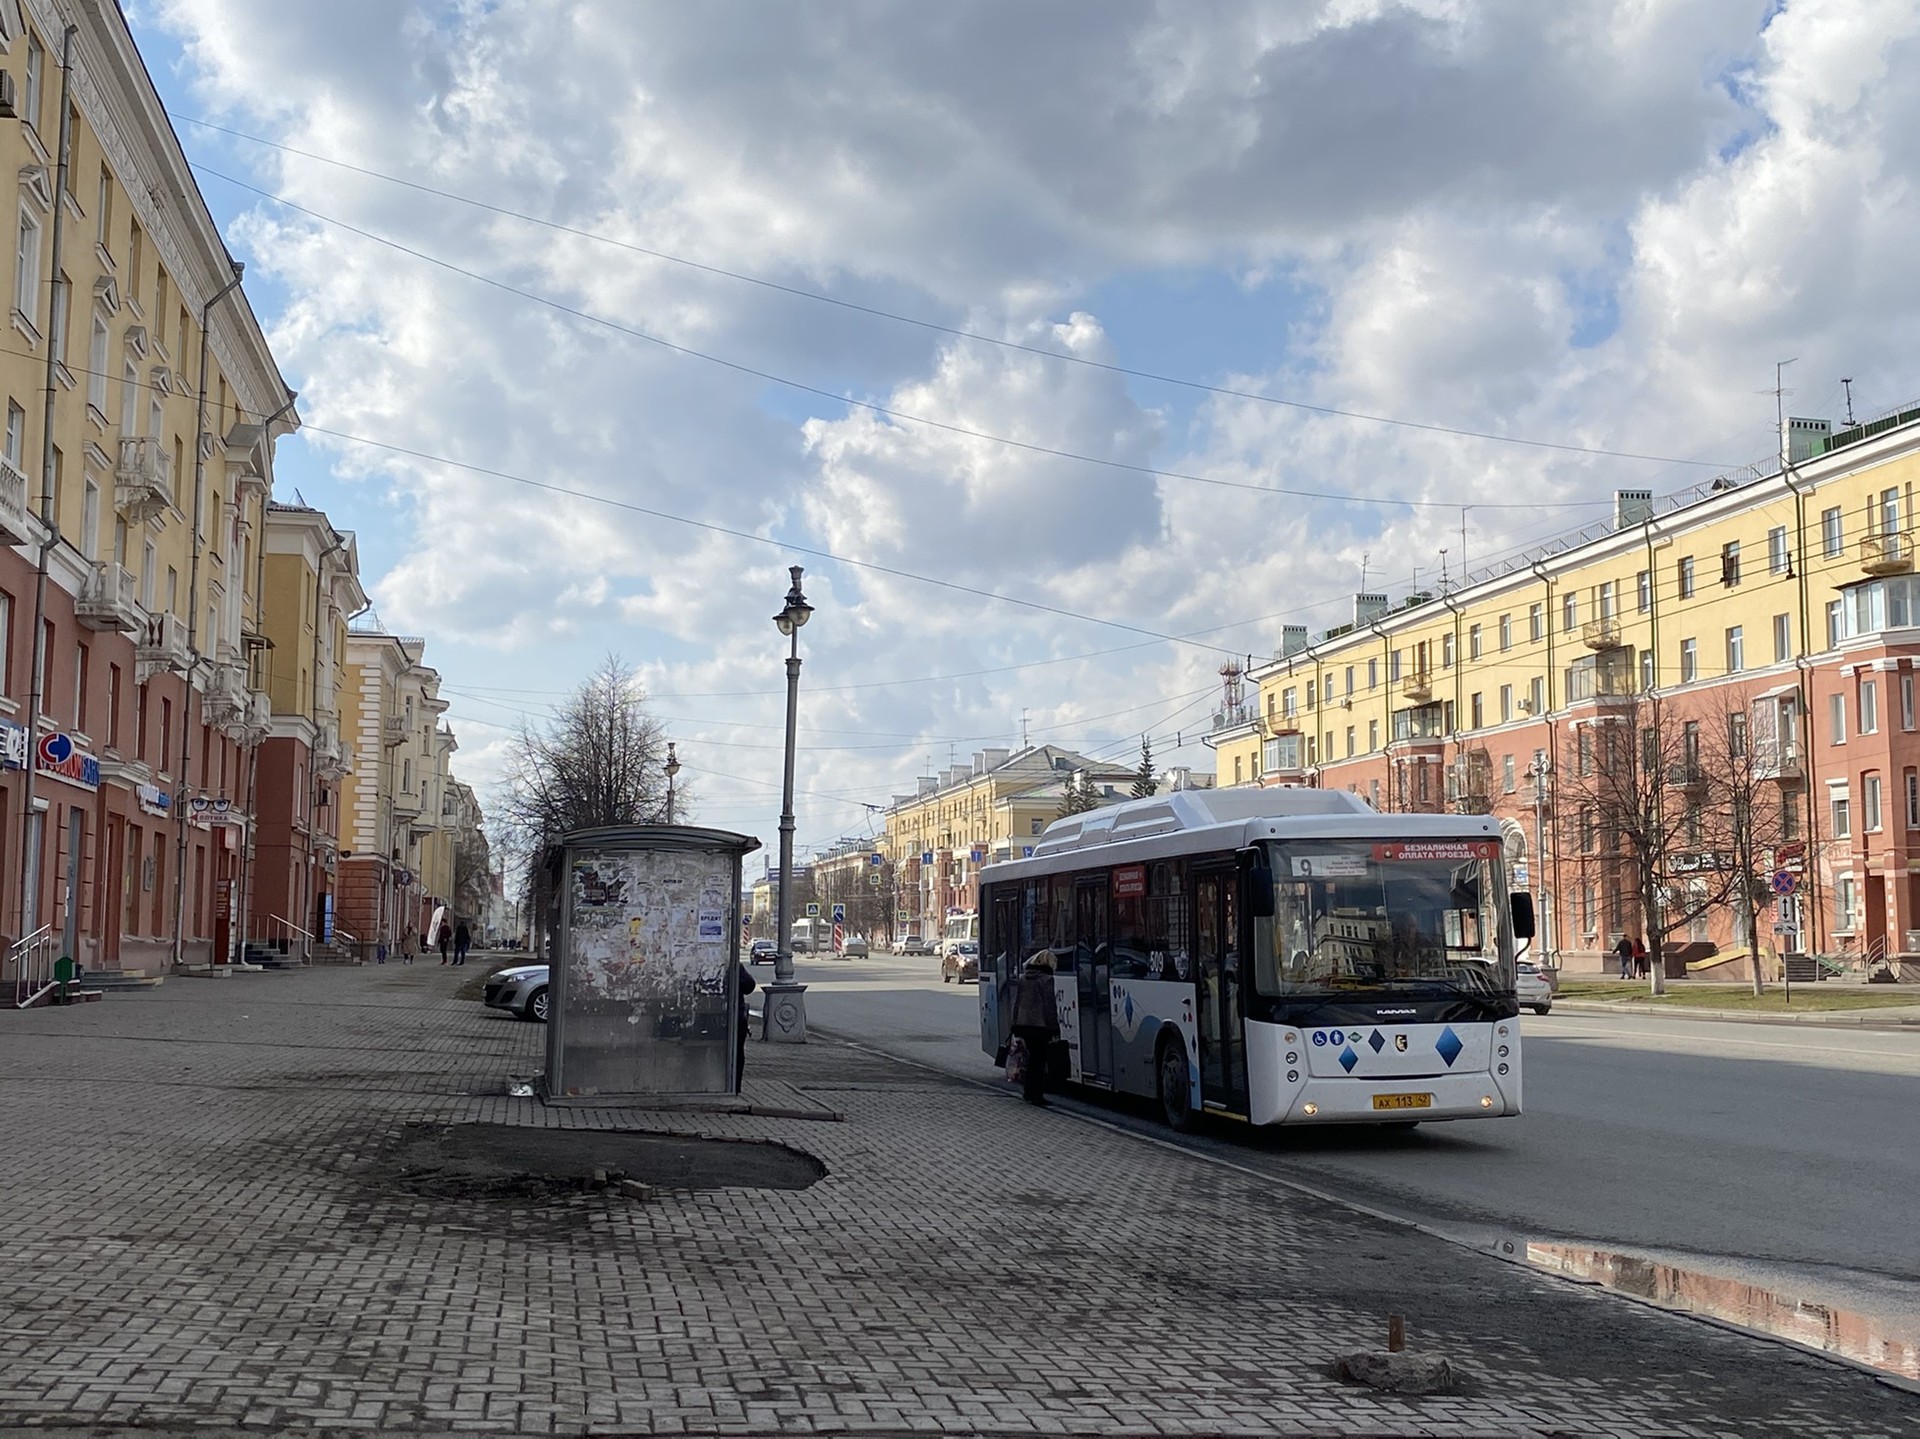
(644, 970)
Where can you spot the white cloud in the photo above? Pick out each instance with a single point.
(1588, 222)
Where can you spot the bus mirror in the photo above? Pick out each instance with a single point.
(1260, 886)
(1523, 926)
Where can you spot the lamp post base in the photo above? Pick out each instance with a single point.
(785, 1013)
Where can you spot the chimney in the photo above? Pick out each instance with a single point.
(991, 759)
(1803, 439)
(1177, 777)
(1293, 639)
(928, 783)
(1368, 607)
(1631, 507)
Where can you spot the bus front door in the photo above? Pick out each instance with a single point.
(1223, 1045)
(1093, 980)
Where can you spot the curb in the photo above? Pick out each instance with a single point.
(1849, 1018)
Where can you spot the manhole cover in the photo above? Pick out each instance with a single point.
(480, 1161)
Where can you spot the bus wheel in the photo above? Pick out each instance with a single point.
(1176, 1093)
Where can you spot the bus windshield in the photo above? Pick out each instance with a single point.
(1408, 916)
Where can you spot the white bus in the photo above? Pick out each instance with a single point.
(1282, 956)
(960, 928)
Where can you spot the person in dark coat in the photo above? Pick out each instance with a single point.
(462, 942)
(446, 942)
(1036, 1022)
(1623, 951)
(740, 1035)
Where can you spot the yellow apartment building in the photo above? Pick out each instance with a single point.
(130, 527)
(1779, 609)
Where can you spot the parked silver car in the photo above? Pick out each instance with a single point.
(521, 990)
(1530, 987)
(854, 948)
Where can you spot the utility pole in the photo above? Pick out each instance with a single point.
(33, 828)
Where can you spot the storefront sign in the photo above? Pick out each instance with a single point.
(153, 800)
(13, 746)
(60, 755)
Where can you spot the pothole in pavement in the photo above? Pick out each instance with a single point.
(507, 1162)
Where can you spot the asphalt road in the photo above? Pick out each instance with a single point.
(1781, 1156)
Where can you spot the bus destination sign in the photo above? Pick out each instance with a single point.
(1408, 851)
(1129, 881)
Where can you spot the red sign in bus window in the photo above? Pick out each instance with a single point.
(1130, 881)
(1419, 849)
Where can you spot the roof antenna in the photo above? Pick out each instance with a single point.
(1847, 383)
(1364, 557)
(1443, 569)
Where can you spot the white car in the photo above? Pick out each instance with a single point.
(1530, 987)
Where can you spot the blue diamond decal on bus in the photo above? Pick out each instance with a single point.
(1449, 1044)
(1348, 1059)
(1377, 1040)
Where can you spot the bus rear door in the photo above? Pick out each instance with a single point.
(1216, 943)
(1093, 979)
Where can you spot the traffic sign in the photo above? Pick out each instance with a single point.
(839, 914)
(926, 856)
(876, 859)
(813, 909)
(1783, 882)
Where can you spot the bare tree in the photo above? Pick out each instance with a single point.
(1640, 813)
(472, 875)
(1753, 819)
(599, 761)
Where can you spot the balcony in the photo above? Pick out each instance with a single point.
(406, 806)
(1687, 774)
(224, 699)
(159, 647)
(106, 601)
(1886, 554)
(1418, 686)
(1779, 762)
(393, 731)
(1602, 634)
(143, 481)
(15, 516)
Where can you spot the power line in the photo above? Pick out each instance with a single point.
(932, 326)
(872, 407)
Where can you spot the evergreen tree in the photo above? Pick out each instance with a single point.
(1143, 782)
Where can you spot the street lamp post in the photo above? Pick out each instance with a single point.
(785, 1010)
(673, 768)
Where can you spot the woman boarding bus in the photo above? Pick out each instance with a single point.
(1283, 956)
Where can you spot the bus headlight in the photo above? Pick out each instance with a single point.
(1310, 1108)
(1486, 1101)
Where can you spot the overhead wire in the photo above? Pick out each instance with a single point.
(932, 326)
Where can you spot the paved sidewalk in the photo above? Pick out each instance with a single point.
(198, 1236)
(1892, 1016)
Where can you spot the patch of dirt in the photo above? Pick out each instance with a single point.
(506, 1162)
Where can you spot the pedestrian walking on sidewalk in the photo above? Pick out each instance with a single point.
(1642, 961)
(1623, 951)
(462, 942)
(1036, 1023)
(409, 945)
(740, 1033)
(446, 942)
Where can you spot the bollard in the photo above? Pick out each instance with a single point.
(1396, 1333)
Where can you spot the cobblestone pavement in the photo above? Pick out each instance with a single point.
(196, 1237)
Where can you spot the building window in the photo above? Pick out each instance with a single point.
(1373, 674)
(1373, 735)
(1507, 782)
(90, 520)
(1840, 812)
(97, 368)
(1869, 707)
(1349, 681)
(1583, 752)
(36, 76)
(1478, 719)
(1730, 563)
(1536, 623)
(1737, 734)
(1446, 650)
(1777, 550)
(1843, 904)
(1913, 799)
(113, 707)
(1837, 719)
(1833, 534)
(1569, 613)
(1289, 699)
(1689, 661)
(1506, 633)
(1870, 802)
(1605, 600)
(1782, 638)
(1506, 703)
(16, 433)
(1238, 776)
(1646, 672)
(1643, 590)
(1685, 574)
(1834, 621)
(1473, 642)
(1536, 695)
(1350, 734)
(1736, 649)
(1906, 701)
(26, 270)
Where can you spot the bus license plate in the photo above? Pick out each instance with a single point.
(1403, 1101)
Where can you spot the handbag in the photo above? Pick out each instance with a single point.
(1017, 1061)
(1059, 1055)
